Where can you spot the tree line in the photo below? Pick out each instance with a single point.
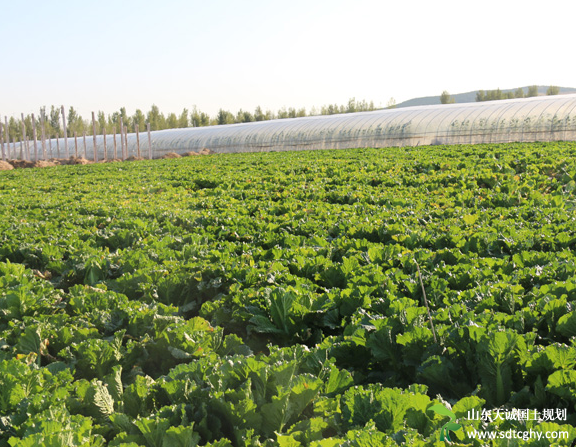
(77, 125)
(494, 95)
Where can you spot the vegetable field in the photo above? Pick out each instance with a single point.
(280, 299)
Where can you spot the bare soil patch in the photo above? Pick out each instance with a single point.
(17, 164)
(44, 164)
(171, 155)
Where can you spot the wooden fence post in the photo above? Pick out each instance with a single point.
(57, 147)
(95, 149)
(4, 133)
(65, 133)
(137, 140)
(149, 142)
(23, 141)
(126, 141)
(76, 144)
(7, 134)
(28, 155)
(43, 124)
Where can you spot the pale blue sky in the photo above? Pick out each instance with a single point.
(299, 53)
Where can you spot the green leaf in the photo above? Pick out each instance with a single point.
(304, 388)
(466, 404)
(135, 396)
(338, 381)
(567, 324)
(55, 427)
(308, 430)
(470, 219)
(153, 430)
(181, 437)
(369, 437)
(561, 356)
(281, 302)
(330, 442)
(94, 272)
(99, 397)
(439, 372)
(263, 325)
(180, 354)
(122, 423)
(113, 382)
(563, 384)
(30, 341)
(96, 357)
(234, 345)
(383, 346)
(415, 341)
(497, 357)
(287, 441)
(294, 396)
(415, 415)
(274, 413)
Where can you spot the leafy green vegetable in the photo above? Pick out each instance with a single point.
(274, 298)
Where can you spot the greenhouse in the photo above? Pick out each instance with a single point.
(544, 118)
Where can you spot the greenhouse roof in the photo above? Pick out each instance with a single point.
(544, 118)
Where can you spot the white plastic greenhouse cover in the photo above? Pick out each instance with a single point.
(544, 118)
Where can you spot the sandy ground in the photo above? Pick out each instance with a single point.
(16, 164)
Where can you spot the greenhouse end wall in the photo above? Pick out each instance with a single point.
(547, 118)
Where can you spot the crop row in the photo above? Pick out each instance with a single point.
(281, 298)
